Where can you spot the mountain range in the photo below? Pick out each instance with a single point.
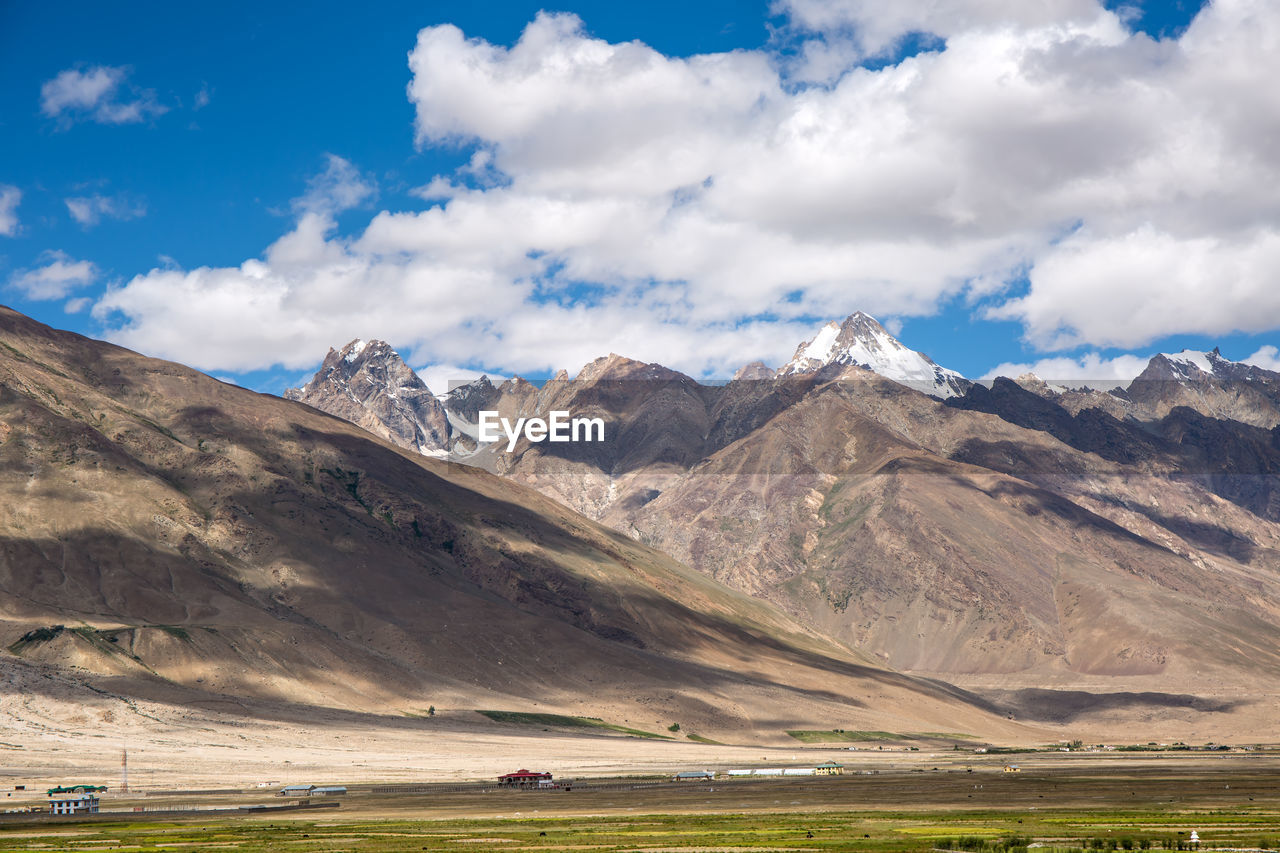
(813, 547)
(1012, 536)
(170, 537)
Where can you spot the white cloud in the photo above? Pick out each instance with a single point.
(90, 210)
(443, 378)
(875, 27)
(698, 211)
(1089, 369)
(98, 94)
(57, 277)
(339, 187)
(1267, 357)
(9, 198)
(437, 189)
(1127, 289)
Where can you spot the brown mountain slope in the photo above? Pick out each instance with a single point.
(943, 538)
(165, 530)
(1209, 384)
(660, 423)
(1016, 537)
(957, 542)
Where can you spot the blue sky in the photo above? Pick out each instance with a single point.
(238, 187)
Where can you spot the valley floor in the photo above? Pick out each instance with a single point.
(1070, 802)
(54, 729)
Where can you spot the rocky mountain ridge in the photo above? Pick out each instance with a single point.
(1014, 529)
(170, 537)
(369, 384)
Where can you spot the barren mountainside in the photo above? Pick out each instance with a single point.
(165, 534)
(957, 542)
(1022, 534)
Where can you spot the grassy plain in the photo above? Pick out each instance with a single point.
(1233, 804)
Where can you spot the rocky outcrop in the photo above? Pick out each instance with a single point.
(368, 384)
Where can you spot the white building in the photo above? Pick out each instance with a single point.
(87, 804)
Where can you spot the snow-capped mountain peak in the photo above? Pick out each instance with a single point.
(1208, 383)
(862, 341)
(1187, 364)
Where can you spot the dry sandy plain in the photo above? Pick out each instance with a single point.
(71, 734)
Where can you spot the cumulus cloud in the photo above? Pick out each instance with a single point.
(56, 277)
(1126, 289)
(101, 94)
(443, 378)
(9, 198)
(1267, 357)
(339, 187)
(875, 27)
(1090, 370)
(90, 210)
(1044, 161)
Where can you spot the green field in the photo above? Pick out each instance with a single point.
(992, 832)
(848, 736)
(1065, 805)
(565, 722)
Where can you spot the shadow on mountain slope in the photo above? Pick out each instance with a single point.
(1065, 706)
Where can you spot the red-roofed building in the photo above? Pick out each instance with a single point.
(525, 779)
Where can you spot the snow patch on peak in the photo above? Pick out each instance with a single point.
(822, 347)
(1199, 360)
(354, 349)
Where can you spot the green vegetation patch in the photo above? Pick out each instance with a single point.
(350, 480)
(701, 739)
(35, 637)
(841, 830)
(563, 721)
(842, 736)
(106, 641)
(175, 632)
(421, 713)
